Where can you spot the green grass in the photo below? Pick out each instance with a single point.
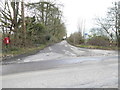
(97, 47)
(19, 51)
(15, 51)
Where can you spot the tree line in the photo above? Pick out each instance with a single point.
(110, 25)
(42, 24)
(106, 31)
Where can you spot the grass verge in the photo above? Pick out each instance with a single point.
(19, 51)
(98, 47)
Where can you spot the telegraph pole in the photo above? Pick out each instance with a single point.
(23, 21)
(119, 25)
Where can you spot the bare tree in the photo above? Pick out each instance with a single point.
(81, 26)
(110, 24)
(13, 20)
(48, 14)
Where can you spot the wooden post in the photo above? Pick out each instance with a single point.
(119, 25)
(23, 22)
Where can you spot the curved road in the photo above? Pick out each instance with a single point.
(63, 65)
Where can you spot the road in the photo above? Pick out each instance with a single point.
(63, 65)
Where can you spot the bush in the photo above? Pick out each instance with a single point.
(76, 38)
(99, 41)
(53, 39)
(48, 37)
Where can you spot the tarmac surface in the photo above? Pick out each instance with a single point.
(63, 66)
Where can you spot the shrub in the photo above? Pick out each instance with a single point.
(99, 41)
(76, 38)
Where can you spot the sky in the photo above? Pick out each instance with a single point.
(77, 11)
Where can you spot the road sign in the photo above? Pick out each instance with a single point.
(86, 33)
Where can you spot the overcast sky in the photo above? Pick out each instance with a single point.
(75, 11)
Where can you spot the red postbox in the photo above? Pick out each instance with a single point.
(6, 40)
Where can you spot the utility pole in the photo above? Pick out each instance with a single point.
(5, 18)
(119, 24)
(23, 21)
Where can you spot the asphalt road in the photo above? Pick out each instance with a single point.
(61, 50)
(63, 65)
(49, 64)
